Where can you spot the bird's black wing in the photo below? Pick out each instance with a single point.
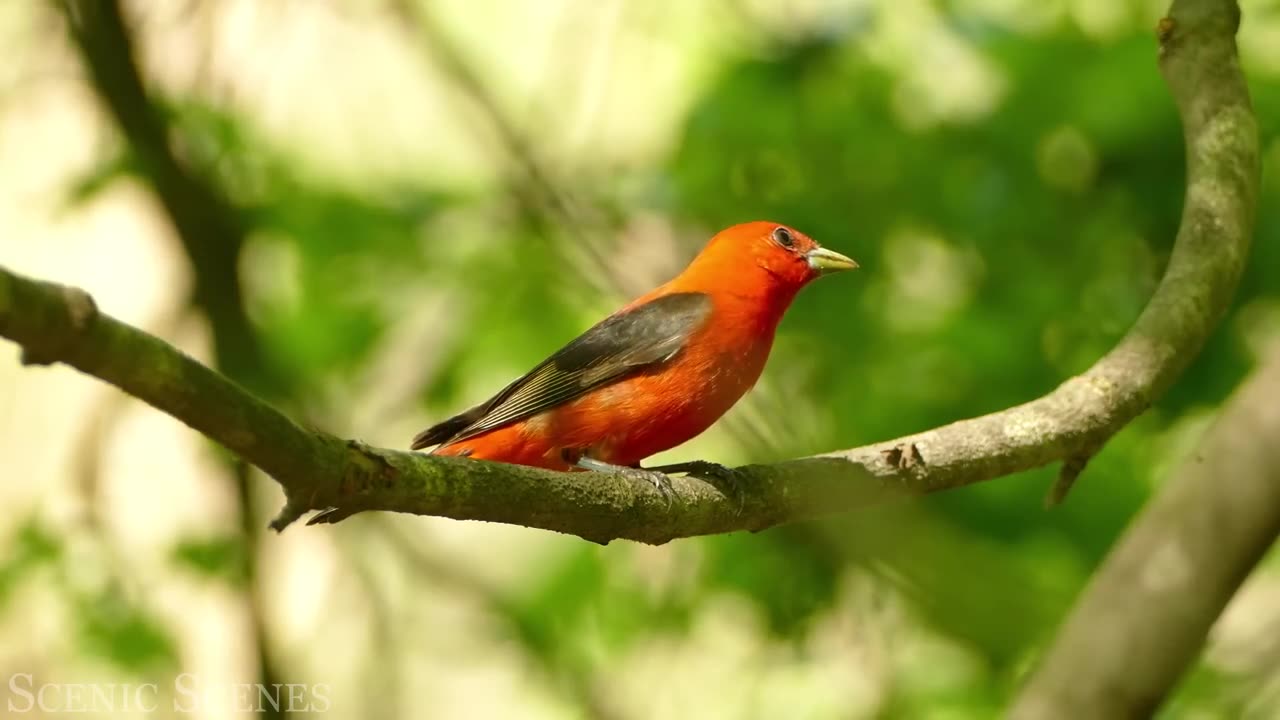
(616, 347)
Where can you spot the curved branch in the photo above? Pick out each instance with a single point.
(58, 324)
(1147, 611)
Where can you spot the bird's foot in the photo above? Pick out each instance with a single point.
(727, 480)
(656, 478)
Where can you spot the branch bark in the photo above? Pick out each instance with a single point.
(1146, 612)
(318, 472)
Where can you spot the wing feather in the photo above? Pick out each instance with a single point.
(618, 346)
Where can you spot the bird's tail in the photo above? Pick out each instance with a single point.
(445, 431)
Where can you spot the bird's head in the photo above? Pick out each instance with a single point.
(770, 254)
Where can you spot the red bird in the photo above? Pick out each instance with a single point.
(653, 374)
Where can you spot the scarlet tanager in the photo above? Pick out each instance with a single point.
(653, 374)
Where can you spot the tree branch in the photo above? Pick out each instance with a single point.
(1147, 611)
(317, 471)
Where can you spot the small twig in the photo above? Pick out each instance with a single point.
(545, 202)
(1072, 466)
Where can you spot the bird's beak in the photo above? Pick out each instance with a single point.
(828, 261)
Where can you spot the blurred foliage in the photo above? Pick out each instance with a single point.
(217, 557)
(118, 631)
(1006, 244)
(111, 624)
(33, 547)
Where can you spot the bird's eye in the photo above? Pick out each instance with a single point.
(784, 237)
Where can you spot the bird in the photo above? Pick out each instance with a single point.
(655, 373)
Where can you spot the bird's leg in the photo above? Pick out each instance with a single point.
(653, 477)
(725, 479)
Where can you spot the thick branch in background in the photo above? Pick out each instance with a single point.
(319, 472)
(1146, 612)
(211, 232)
(208, 226)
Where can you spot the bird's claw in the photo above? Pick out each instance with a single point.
(657, 479)
(654, 477)
(724, 479)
